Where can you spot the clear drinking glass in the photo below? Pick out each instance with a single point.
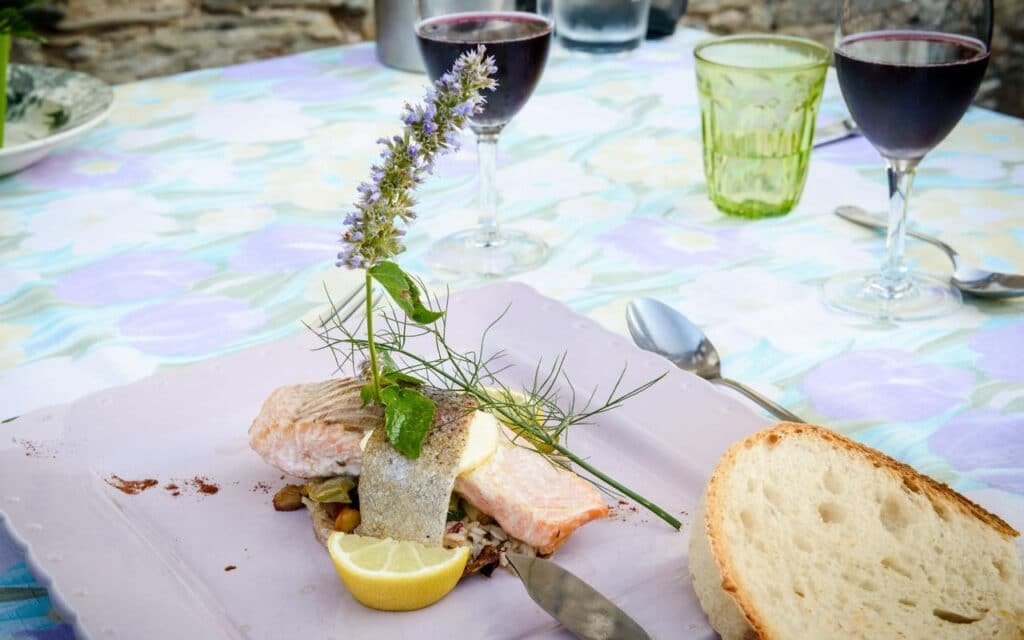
(759, 97)
(908, 71)
(601, 26)
(519, 42)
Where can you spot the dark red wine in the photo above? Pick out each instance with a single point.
(908, 89)
(519, 43)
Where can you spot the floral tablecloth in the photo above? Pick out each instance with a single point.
(202, 218)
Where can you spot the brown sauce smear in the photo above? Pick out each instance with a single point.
(130, 487)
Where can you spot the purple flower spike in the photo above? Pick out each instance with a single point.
(431, 130)
(464, 109)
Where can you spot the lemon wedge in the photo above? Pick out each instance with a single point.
(481, 442)
(395, 575)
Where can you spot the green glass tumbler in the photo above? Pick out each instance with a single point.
(759, 97)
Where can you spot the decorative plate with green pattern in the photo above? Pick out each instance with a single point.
(45, 107)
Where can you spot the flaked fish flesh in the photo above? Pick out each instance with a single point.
(313, 430)
(531, 498)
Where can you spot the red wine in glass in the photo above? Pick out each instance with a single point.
(519, 43)
(908, 89)
(908, 71)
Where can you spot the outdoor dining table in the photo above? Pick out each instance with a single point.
(203, 218)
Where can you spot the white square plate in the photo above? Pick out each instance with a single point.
(152, 565)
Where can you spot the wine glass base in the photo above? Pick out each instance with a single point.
(867, 293)
(472, 252)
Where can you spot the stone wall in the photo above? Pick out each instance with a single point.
(123, 40)
(1003, 88)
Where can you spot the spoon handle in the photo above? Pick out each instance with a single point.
(857, 215)
(777, 410)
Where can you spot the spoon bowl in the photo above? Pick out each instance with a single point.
(660, 329)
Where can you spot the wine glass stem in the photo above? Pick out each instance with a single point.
(487, 157)
(894, 271)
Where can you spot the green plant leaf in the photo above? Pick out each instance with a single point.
(366, 393)
(408, 415)
(401, 379)
(391, 375)
(403, 290)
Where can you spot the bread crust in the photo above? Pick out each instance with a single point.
(919, 483)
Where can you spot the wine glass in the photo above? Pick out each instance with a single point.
(908, 71)
(519, 42)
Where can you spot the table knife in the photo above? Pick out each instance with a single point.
(578, 606)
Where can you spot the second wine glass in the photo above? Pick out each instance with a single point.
(908, 72)
(519, 42)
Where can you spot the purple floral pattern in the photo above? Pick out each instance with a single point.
(885, 386)
(85, 168)
(190, 324)
(130, 277)
(653, 242)
(286, 247)
(1001, 351)
(985, 444)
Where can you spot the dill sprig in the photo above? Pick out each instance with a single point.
(539, 415)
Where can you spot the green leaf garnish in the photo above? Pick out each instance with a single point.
(366, 394)
(403, 290)
(392, 373)
(408, 415)
(401, 379)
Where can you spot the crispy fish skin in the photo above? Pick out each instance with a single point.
(530, 498)
(407, 499)
(313, 430)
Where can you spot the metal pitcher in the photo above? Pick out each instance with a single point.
(396, 34)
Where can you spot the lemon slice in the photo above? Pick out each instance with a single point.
(481, 442)
(395, 575)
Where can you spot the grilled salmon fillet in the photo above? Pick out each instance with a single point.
(313, 430)
(532, 499)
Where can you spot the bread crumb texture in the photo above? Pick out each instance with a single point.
(810, 535)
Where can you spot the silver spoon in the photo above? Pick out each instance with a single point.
(834, 132)
(977, 282)
(659, 328)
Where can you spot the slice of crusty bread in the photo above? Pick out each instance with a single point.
(806, 535)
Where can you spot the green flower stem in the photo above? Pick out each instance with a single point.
(5, 54)
(624, 490)
(371, 343)
(632, 495)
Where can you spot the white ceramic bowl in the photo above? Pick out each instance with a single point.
(47, 106)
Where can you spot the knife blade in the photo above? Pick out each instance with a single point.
(834, 132)
(578, 606)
